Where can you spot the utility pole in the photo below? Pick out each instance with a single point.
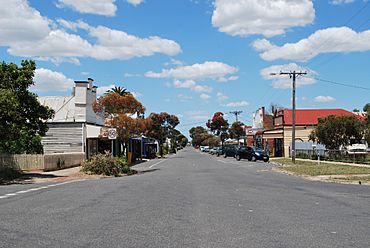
(293, 75)
(236, 113)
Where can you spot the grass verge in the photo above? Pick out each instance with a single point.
(313, 169)
(353, 178)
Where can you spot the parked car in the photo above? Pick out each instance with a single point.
(219, 151)
(230, 150)
(204, 148)
(251, 153)
(213, 150)
(356, 149)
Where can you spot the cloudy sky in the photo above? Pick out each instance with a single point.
(195, 57)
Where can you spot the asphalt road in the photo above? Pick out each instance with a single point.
(188, 200)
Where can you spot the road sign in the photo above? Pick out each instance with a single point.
(112, 133)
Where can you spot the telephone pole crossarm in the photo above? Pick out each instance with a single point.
(236, 113)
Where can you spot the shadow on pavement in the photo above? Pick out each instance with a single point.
(26, 178)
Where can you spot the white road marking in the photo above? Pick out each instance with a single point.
(156, 164)
(36, 189)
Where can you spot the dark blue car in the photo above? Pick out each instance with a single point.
(251, 153)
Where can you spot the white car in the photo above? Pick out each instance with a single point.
(356, 149)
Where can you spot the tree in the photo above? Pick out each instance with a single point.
(218, 125)
(119, 90)
(212, 141)
(114, 104)
(161, 126)
(118, 110)
(367, 108)
(336, 131)
(198, 135)
(367, 120)
(236, 130)
(22, 117)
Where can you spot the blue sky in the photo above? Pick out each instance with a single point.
(195, 57)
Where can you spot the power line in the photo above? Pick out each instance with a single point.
(338, 83)
(328, 38)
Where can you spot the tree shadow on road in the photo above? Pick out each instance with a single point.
(19, 177)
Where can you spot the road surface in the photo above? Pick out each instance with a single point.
(191, 199)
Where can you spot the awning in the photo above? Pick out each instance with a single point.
(273, 134)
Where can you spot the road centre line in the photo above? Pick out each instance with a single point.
(36, 189)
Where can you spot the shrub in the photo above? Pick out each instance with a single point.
(102, 164)
(124, 166)
(8, 173)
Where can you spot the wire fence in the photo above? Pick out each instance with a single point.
(357, 157)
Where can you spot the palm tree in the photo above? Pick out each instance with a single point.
(119, 90)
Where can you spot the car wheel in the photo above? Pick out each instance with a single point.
(265, 160)
(254, 158)
(237, 157)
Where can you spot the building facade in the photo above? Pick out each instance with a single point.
(75, 128)
(279, 138)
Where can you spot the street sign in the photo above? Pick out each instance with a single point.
(112, 133)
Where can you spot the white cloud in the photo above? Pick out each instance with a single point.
(184, 98)
(204, 97)
(197, 115)
(191, 84)
(283, 81)
(221, 97)
(103, 89)
(47, 80)
(20, 22)
(135, 2)
(116, 44)
(207, 70)
(330, 40)
(337, 2)
(237, 104)
(269, 18)
(324, 99)
(28, 34)
(174, 62)
(99, 7)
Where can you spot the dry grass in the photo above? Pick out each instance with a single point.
(313, 169)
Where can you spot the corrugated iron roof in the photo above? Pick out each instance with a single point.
(64, 107)
(311, 116)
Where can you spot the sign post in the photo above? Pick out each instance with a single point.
(112, 135)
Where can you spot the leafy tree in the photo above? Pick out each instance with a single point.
(22, 117)
(119, 90)
(118, 110)
(182, 140)
(236, 130)
(367, 129)
(161, 126)
(218, 125)
(367, 108)
(114, 104)
(198, 135)
(336, 131)
(212, 141)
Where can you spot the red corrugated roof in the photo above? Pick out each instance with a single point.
(311, 116)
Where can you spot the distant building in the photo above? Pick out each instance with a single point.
(75, 127)
(261, 121)
(279, 138)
